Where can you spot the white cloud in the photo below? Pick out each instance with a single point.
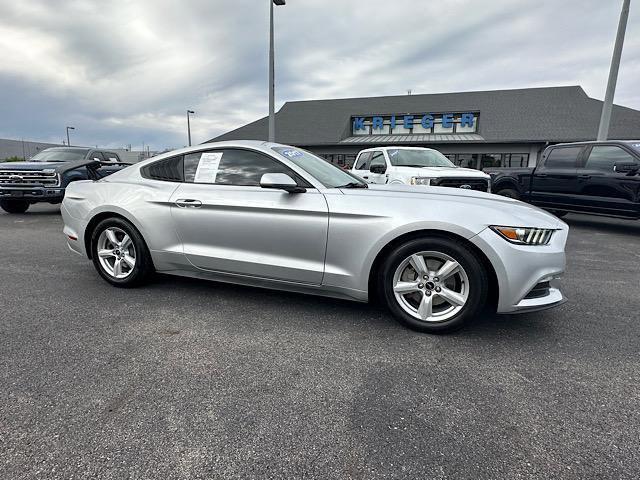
(125, 72)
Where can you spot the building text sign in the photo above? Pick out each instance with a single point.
(459, 122)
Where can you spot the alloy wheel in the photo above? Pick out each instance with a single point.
(116, 252)
(431, 286)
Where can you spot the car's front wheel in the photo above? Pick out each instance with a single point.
(120, 254)
(434, 285)
(14, 206)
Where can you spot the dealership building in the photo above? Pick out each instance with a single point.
(473, 129)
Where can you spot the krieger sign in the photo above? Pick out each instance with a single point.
(427, 121)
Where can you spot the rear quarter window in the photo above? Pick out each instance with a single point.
(563, 157)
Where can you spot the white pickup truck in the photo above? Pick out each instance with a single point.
(416, 166)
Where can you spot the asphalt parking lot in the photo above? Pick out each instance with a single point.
(193, 379)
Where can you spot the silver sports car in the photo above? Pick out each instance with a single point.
(275, 216)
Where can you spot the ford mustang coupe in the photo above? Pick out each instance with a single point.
(275, 216)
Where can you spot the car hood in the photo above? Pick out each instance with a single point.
(28, 166)
(493, 209)
(436, 172)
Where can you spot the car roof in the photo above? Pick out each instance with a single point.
(393, 147)
(594, 142)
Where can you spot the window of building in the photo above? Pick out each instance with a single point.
(349, 159)
(363, 161)
(466, 128)
(562, 157)
(490, 160)
(467, 160)
(399, 129)
(438, 128)
(363, 131)
(605, 157)
(516, 159)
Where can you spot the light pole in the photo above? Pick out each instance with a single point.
(189, 125)
(607, 105)
(69, 128)
(272, 101)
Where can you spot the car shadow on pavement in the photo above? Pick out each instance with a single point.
(290, 305)
(604, 224)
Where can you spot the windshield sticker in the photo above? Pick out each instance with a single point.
(637, 145)
(208, 167)
(393, 153)
(291, 153)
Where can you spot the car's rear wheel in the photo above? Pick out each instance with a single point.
(120, 254)
(434, 285)
(509, 192)
(14, 206)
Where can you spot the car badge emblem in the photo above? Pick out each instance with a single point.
(465, 186)
(16, 178)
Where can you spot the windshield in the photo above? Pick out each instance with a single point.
(59, 155)
(327, 174)
(418, 158)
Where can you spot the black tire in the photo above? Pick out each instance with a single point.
(14, 206)
(143, 263)
(459, 252)
(509, 192)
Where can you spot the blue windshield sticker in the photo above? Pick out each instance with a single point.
(291, 153)
(393, 153)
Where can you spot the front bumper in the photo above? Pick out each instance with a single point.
(33, 194)
(521, 269)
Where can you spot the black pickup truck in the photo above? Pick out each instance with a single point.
(45, 176)
(600, 178)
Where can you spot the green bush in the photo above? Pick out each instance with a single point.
(14, 159)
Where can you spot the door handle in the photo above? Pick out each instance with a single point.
(584, 177)
(542, 175)
(188, 203)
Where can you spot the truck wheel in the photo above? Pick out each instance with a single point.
(120, 254)
(509, 192)
(433, 285)
(14, 206)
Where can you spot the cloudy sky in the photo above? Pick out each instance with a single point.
(124, 71)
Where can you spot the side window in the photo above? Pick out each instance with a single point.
(167, 169)
(111, 157)
(363, 161)
(563, 157)
(97, 155)
(233, 167)
(377, 158)
(605, 157)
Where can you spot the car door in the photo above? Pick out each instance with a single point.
(378, 161)
(604, 190)
(228, 223)
(361, 166)
(554, 183)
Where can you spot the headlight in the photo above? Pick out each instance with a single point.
(420, 180)
(525, 235)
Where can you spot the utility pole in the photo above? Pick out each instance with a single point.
(189, 125)
(272, 96)
(607, 105)
(69, 128)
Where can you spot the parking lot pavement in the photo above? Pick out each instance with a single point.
(192, 379)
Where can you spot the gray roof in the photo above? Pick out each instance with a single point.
(554, 114)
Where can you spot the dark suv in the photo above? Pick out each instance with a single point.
(44, 177)
(600, 178)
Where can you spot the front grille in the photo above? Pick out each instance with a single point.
(25, 178)
(539, 291)
(479, 184)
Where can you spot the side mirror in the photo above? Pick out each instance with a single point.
(630, 168)
(378, 168)
(281, 181)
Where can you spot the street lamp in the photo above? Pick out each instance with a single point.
(69, 128)
(189, 125)
(272, 107)
(607, 105)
